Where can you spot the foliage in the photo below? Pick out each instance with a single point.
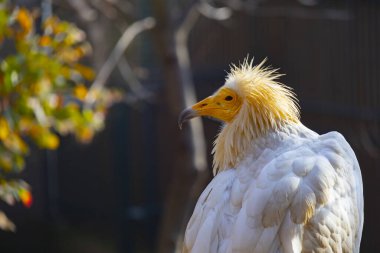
(42, 94)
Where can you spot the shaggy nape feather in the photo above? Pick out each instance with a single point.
(267, 105)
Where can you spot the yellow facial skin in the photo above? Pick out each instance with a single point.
(223, 105)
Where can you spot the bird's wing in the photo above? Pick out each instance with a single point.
(337, 223)
(202, 230)
(305, 199)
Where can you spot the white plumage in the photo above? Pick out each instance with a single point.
(289, 190)
(297, 191)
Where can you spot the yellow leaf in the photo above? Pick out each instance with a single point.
(4, 128)
(15, 143)
(80, 91)
(25, 124)
(66, 71)
(74, 36)
(20, 144)
(50, 23)
(70, 55)
(25, 20)
(26, 197)
(50, 141)
(5, 161)
(34, 130)
(85, 71)
(19, 162)
(85, 134)
(45, 41)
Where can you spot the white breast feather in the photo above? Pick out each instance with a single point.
(303, 194)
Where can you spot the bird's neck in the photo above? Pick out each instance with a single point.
(248, 131)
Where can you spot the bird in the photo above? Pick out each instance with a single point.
(278, 187)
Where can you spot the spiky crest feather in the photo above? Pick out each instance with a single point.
(267, 106)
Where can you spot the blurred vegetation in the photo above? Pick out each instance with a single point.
(43, 94)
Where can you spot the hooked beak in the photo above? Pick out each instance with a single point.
(186, 115)
(223, 106)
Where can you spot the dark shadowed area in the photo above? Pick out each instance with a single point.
(133, 188)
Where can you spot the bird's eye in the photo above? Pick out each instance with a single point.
(228, 98)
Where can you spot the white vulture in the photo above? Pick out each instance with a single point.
(279, 187)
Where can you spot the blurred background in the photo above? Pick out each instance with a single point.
(132, 189)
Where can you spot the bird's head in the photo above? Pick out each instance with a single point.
(252, 96)
(251, 103)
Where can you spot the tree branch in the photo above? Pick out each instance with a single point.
(211, 12)
(133, 82)
(46, 7)
(128, 36)
(181, 50)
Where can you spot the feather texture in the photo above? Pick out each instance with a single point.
(296, 192)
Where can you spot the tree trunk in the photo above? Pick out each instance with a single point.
(185, 180)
